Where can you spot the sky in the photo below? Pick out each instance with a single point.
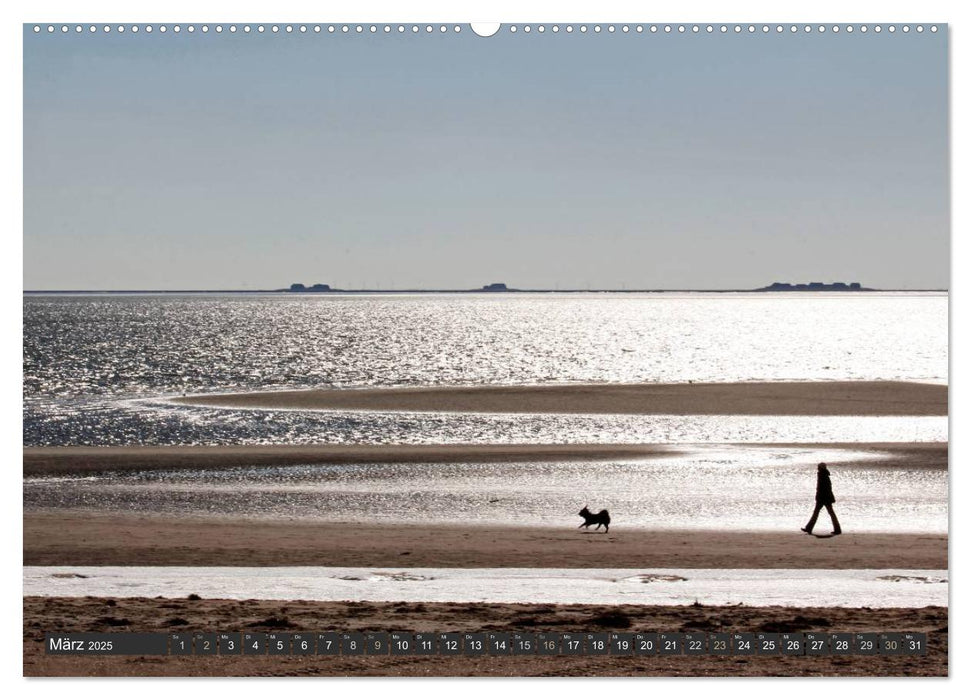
(638, 161)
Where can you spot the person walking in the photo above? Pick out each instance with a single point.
(824, 499)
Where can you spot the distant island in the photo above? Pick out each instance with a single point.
(500, 287)
(299, 287)
(815, 287)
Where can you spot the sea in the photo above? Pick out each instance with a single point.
(101, 369)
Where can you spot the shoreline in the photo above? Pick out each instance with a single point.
(800, 398)
(45, 614)
(85, 538)
(51, 461)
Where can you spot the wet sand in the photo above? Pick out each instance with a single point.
(83, 538)
(170, 615)
(79, 460)
(863, 398)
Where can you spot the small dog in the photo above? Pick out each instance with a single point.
(601, 518)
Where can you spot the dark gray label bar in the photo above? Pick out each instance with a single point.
(107, 644)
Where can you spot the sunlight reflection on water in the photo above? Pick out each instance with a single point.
(87, 356)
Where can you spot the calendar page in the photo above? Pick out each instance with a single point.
(519, 349)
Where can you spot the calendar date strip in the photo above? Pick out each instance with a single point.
(487, 643)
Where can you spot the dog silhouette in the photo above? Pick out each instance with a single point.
(601, 518)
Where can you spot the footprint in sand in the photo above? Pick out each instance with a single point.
(896, 578)
(387, 576)
(653, 578)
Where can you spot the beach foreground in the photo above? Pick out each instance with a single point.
(858, 398)
(180, 615)
(85, 537)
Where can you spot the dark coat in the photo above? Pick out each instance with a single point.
(824, 488)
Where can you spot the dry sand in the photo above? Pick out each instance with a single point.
(81, 538)
(180, 615)
(755, 398)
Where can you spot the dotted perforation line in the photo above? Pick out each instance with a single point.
(512, 28)
(721, 28)
(249, 28)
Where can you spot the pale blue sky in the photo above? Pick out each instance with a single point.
(647, 161)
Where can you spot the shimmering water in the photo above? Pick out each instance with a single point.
(97, 368)
(891, 588)
(721, 488)
(112, 422)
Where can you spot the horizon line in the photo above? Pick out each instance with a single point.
(513, 290)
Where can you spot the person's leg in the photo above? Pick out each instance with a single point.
(812, 521)
(836, 523)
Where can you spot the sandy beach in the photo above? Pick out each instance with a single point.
(83, 538)
(182, 615)
(756, 398)
(80, 537)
